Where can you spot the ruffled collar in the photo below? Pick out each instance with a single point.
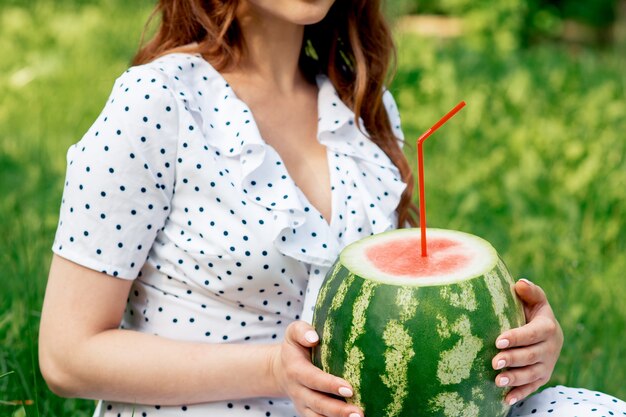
(229, 126)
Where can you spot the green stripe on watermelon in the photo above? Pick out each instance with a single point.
(409, 346)
(336, 275)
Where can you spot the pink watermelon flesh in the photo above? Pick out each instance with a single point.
(403, 257)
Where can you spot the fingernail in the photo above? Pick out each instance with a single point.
(502, 343)
(501, 364)
(529, 283)
(345, 392)
(311, 336)
(503, 382)
(512, 401)
(354, 415)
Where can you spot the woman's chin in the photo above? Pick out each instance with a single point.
(300, 12)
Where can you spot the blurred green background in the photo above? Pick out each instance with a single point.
(535, 163)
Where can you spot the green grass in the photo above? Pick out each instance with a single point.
(535, 164)
(63, 61)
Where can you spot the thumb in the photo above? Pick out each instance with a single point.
(530, 294)
(301, 333)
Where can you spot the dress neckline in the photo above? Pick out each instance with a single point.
(320, 80)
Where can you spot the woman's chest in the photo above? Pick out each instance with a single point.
(219, 239)
(244, 211)
(292, 132)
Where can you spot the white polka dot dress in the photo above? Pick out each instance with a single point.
(173, 187)
(569, 402)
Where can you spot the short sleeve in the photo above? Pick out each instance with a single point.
(394, 114)
(120, 177)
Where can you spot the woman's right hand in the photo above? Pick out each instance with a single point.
(308, 386)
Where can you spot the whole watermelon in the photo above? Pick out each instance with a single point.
(415, 335)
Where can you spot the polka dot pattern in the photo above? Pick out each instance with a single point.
(173, 187)
(569, 402)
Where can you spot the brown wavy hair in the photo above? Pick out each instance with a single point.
(352, 45)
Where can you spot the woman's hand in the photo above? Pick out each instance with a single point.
(531, 351)
(308, 386)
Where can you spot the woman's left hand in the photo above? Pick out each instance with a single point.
(529, 352)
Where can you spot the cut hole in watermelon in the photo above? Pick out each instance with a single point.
(395, 257)
(403, 257)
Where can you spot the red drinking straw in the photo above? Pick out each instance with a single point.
(420, 167)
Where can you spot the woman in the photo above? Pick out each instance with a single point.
(206, 203)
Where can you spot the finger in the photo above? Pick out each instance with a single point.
(539, 329)
(330, 407)
(315, 379)
(301, 333)
(517, 377)
(530, 294)
(303, 371)
(310, 413)
(519, 393)
(518, 357)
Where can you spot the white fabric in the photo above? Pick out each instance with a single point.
(569, 402)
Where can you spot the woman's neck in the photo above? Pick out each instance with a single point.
(272, 50)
